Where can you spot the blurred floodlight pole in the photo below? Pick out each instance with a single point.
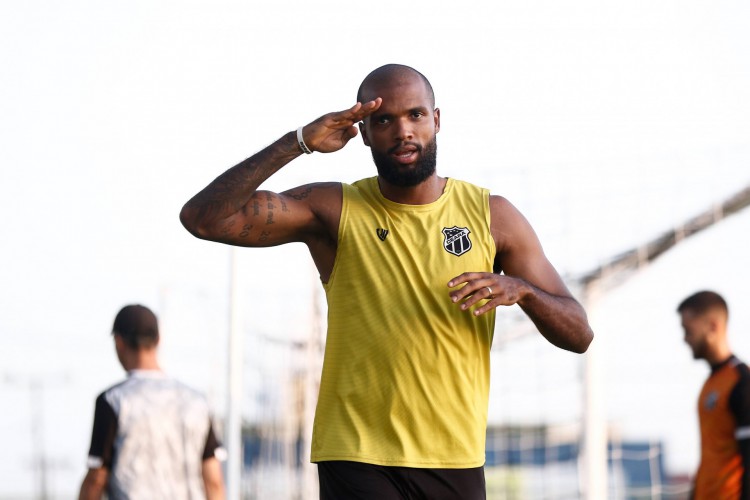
(594, 452)
(233, 434)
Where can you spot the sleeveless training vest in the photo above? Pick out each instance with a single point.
(406, 377)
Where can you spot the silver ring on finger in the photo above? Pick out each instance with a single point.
(491, 296)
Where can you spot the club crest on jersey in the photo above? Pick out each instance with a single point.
(711, 399)
(456, 240)
(382, 233)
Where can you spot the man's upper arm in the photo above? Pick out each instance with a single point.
(519, 251)
(101, 450)
(212, 448)
(739, 403)
(213, 455)
(270, 219)
(102, 435)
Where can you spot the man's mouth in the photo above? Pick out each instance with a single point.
(405, 153)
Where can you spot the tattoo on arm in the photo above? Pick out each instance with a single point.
(227, 228)
(270, 206)
(264, 235)
(302, 195)
(246, 230)
(231, 190)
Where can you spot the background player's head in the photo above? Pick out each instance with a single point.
(136, 333)
(401, 134)
(704, 317)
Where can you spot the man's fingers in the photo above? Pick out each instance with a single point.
(348, 117)
(475, 293)
(477, 287)
(332, 131)
(474, 284)
(463, 278)
(361, 110)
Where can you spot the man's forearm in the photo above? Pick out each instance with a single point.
(93, 484)
(561, 320)
(232, 190)
(212, 479)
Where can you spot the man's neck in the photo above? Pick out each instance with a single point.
(719, 356)
(421, 194)
(141, 361)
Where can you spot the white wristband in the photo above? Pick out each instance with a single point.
(301, 142)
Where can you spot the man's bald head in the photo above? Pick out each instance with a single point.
(390, 75)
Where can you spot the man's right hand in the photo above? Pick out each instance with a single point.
(232, 210)
(332, 131)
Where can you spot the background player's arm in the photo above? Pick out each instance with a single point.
(101, 450)
(744, 446)
(213, 482)
(739, 404)
(530, 281)
(232, 210)
(212, 479)
(94, 484)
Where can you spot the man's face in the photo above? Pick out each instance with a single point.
(401, 134)
(697, 329)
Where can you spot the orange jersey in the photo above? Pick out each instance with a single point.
(724, 421)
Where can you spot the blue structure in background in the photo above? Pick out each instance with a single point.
(639, 464)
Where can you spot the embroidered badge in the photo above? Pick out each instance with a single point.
(711, 399)
(456, 240)
(382, 233)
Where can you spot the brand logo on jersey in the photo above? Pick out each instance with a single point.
(456, 240)
(382, 233)
(711, 399)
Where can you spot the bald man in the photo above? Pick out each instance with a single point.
(414, 266)
(724, 402)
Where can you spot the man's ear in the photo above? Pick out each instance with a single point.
(437, 120)
(364, 134)
(713, 323)
(119, 343)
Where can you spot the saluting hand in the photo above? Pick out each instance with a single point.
(332, 131)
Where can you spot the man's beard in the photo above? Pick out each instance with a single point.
(407, 176)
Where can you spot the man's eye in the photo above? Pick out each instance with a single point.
(417, 114)
(382, 120)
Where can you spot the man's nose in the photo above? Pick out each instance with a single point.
(403, 130)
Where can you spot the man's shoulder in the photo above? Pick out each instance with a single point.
(743, 370)
(363, 183)
(468, 184)
(732, 365)
(139, 380)
(112, 388)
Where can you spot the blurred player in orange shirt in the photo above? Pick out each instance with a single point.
(724, 402)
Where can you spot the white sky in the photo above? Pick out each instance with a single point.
(606, 123)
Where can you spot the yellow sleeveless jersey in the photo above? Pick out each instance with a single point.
(406, 377)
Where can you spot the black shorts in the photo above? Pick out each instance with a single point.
(341, 480)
